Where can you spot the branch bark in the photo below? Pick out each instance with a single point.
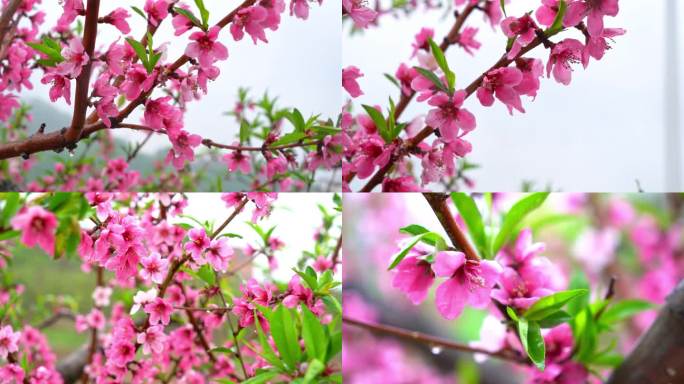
(438, 203)
(57, 140)
(73, 134)
(6, 17)
(433, 341)
(658, 358)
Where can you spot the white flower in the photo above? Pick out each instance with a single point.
(101, 296)
(141, 298)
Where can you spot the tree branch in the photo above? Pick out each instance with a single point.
(657, 359)
(438, 203)
(433, 341)
(412, 143)
(73, 134)
(57, 141)
(6, 17)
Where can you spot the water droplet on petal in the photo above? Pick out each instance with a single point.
(436, 350)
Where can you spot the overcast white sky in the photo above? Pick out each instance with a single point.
(300, 65)
(599, 134)
(297, 234)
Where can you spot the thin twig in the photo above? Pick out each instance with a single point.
(433, 341)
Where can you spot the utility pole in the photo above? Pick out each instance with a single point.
(673, 158)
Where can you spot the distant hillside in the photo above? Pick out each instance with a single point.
(55, 118)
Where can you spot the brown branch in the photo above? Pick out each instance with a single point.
(6, 17)
(412, 143)
(60, 314)
(73, 133)
(209, 143)
(233, 332)
(433, 341)
(336, 253)
(200, 334)
(438, 203)
(657, 359)
(57, 141)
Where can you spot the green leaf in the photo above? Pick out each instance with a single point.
(9, 235)
(442, 62)
(392, 79)
(471, 215)
(140, 51)
(289, 138)
(297, 120)
(397, 258)
(624, 309)
(513, 218)
(139, 12)
(585, 333)
(267, 351)
(311, 281)
(207, 274)
(557, 25)
(607, 359)
(432, 77)
(11, 207)
(189, 15)
(578, 280)
(284, 333)
(555, 319)
(511, 313)
(548, 305)
(532, 341)
(315, 339)
(244, 131)
(262, 377)
(315, 368)
(379, 121)
(204, 13)
(430, 238)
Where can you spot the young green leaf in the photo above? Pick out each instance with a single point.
(392, 80)
(442, 62)
(267, 351)
(309, 280)
(284, 333)
(315, 368)
(471, 215)
(513, 218)
(434, 237)
(379, 120)
(313, 333)
(262, 377)
(557, 25)
(11, 207)
(204, 14)
(139, 12)
(206, 274)
(532, 341)
(555, 319)
(140, 51)
(433, 78)
(551, 304)
(189, 15)
(624, 309)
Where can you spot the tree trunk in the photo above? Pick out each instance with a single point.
(659, 356)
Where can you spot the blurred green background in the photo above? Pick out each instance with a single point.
(46, 280)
